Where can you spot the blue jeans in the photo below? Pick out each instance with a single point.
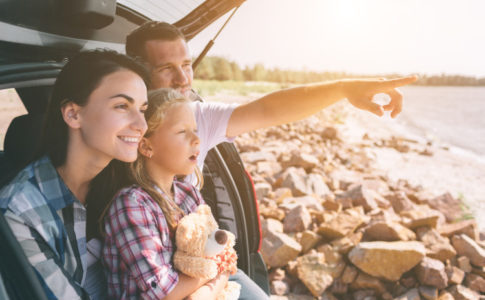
(249, 289)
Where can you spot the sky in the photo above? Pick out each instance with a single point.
(357, 36)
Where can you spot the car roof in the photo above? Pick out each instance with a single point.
(45, 30)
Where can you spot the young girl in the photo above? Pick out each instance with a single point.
(95, 115)
(140, 222)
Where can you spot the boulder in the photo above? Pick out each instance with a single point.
(388, 231)
(310, 202)
(343, 224)
(312, 274)
(464, 264)
(262, 189)
(278, 249)
(419, 217)
(412, 294)
(316, 184)
(400, 202)
(465, 246)
(359, 196)
(452, 208)
(295, 181)
(281, 194)
(257, 156)
(279, 287)
(432, 272)
(272, 225)
(475, 282)
(445, 295)
(428, 292)
(364, 281)
(468, 227)
(388, 260)
(349, 274)
(297, 220)
(437, 246)
(308, 240)
(460, 292)
(301, 160)
(455, 275)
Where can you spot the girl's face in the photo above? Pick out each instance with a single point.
(112, 122)
(175, 144)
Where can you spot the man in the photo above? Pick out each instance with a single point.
(164, 50)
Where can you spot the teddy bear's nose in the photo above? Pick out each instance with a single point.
(221, 237)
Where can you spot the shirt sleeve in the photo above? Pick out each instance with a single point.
(132, 224)
(55, 280)
(212, 119)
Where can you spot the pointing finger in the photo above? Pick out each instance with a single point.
(396, 102)
(394, 83)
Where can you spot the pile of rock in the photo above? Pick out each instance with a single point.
(333, 228)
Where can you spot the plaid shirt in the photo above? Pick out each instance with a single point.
(138, 246)
(50, 225)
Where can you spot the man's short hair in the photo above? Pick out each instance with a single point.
(152, 30)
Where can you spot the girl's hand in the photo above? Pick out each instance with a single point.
(211, 289)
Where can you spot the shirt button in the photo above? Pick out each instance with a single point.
(154, 284)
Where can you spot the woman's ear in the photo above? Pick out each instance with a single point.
(70, 114)
(145, 148)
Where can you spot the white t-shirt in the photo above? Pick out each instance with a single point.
(212, 119)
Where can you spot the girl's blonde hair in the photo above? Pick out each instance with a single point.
(159, 102)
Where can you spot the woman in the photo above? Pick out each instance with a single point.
(95, 115)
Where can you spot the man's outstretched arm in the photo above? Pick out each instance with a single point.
(294, 104)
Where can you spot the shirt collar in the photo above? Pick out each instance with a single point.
(51, 184)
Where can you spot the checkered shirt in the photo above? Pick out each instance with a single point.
(138, 246)
(50, 225)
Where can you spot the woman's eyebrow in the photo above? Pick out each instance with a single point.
(131, 100)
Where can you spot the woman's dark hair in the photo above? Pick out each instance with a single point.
(75, 83)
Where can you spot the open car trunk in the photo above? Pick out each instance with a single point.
(35, 39)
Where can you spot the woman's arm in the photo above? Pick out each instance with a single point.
(55, 279)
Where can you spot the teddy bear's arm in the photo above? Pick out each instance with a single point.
(197, 267)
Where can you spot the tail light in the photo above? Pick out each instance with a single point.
(257, 210)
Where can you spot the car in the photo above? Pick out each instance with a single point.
(36, 39)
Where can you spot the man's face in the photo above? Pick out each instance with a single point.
(171, 64)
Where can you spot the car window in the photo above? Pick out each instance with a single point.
(169, 10)
(10, 107)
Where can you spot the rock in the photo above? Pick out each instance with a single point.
(347, 243)
(343, 224)
(412, 294)
(452, 208)
(292, 297)
(312, 274)
(455, 275)
(388, 231)
(428, 292)
(475, 282)
(408, 281)
(459, 292)
(297, 220)
(301, 160)
(349, 274)
(338, 287)
(295, 181)
(279, 287)
(364, 295)
(309, 240)
(359, 196)
(262, 189)
(334, 264)
(278, 249)
(388, 260)
(444, 295)
(464, 245)
(332, 205)
(268, 167)
(438, 247)
(364, 281)
(316, 184)
(270, 212)
(468, 227)
(330, 133)
(464, 264)
(432, 272)
(309, 202)
(419, 217)
(281, 194)
(276, 274)
(272, 225)
(400, 202)
(257, 156)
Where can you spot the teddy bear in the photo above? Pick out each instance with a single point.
(203, 250)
